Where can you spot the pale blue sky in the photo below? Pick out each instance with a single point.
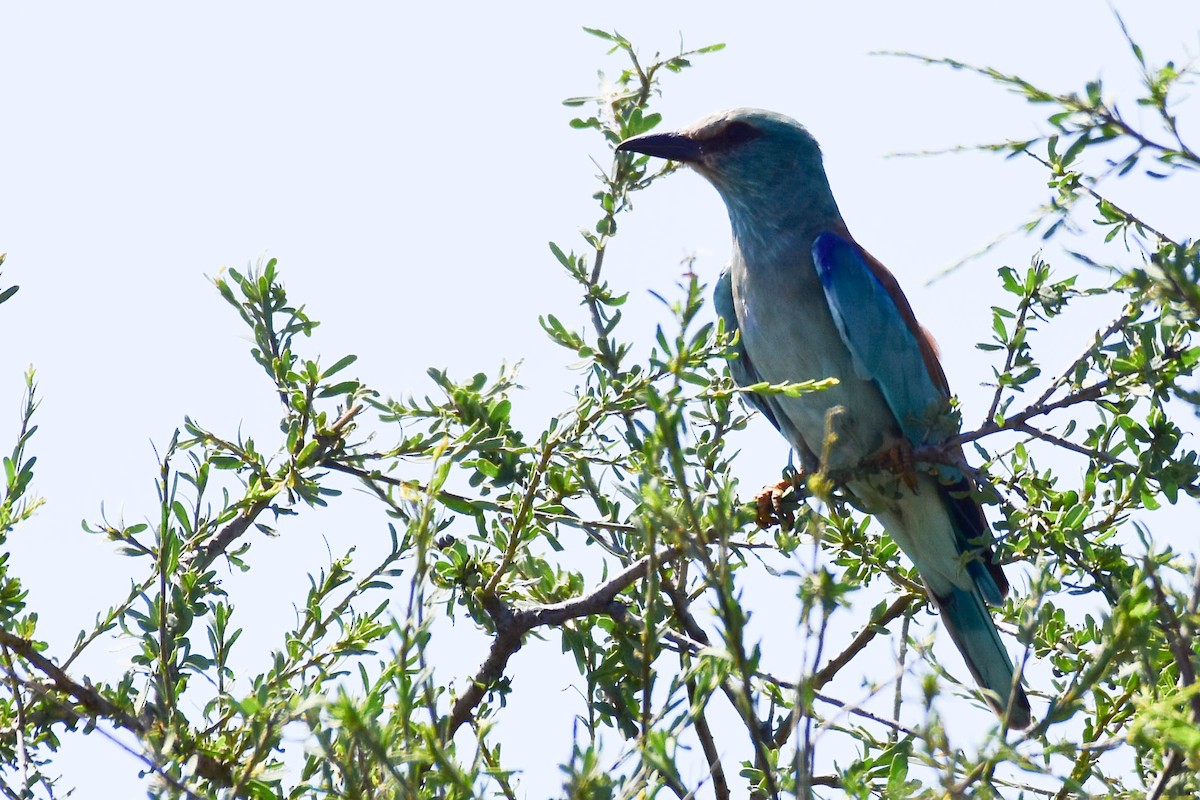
(407, 166)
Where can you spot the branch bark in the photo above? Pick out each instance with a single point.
(826, 673)
(512, 625)
(233, 531)
(99, 707)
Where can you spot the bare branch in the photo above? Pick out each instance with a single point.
(233, 531)
(98, 707)
(709, 746)
(1085, 395)
(513, 624)
(873, 628)
(1067, 444)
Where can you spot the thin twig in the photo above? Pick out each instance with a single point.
(1067, 444)
(371, 477)
(98, 706)
(512, 625)
(900, 606)
(1172, 764)
(860, 712)
(19, 703)
(898, 700)
(682, 642)
(708, 745)
(825, 674)
(233, 531)
(1098, 341)
(1010, 355)
(1085, 395)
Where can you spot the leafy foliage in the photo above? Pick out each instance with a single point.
(502, 526)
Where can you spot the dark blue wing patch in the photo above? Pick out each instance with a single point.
(885, 351)
(880, 342)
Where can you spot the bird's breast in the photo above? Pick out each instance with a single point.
(790, 336)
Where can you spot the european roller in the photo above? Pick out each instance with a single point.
(810, 303)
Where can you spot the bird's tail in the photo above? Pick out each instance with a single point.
(972, 629)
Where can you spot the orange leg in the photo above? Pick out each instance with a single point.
(897, 457)
(770, 503)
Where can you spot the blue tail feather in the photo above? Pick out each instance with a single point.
(970, 625)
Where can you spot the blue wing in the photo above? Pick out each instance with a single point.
(881, 342)
(885, 349)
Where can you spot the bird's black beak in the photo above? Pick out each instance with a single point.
(675, 146)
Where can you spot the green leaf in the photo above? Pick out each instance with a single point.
(897, 775)
(1075, 517)
(341, 364)
(345, 387)
(308, 454)
(599, 34)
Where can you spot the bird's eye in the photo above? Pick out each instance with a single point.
(736, 133)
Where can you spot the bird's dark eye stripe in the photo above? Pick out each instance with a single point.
(732, 135)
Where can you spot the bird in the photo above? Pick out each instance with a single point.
(807, 302)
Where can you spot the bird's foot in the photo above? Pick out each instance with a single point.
(771, 503)
(897, 457)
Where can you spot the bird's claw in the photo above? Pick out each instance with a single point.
(897, 458)
(770, 504)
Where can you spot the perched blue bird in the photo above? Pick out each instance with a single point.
(810, 303)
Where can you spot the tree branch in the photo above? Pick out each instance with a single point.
(709, 746)
(513, 624)
(95, 703)
(873, 628)
(1040, 408)
(100, 707)
(233, 531)
(1067, 444)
